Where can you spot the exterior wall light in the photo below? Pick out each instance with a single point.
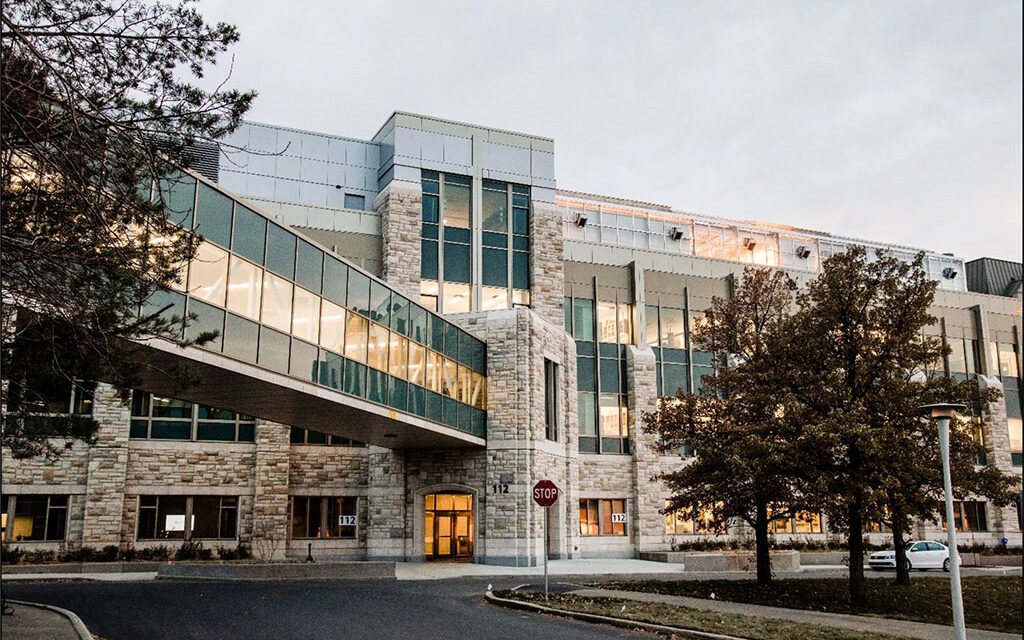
(749, 244)
(581, 220)
(949, 273)
(803, 252)
(676, 233)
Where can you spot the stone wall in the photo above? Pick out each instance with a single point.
(399, 206)
(270, 518)
(108, 461)
(546, 262)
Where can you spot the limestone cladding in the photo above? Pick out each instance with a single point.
(386, 526)
(518, 451)
(547, 267)
(648, 524)
(399, 206)
(997, 437)
(270, 503)
(327, 470)
(108, 461)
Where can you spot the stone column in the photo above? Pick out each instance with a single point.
(648, 524)
(386, 527)
(547, 263)
(108, 463)
(399, 205)
(270, 519)
(997, 435)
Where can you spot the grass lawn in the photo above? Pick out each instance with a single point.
(990, 602)
(753, 627)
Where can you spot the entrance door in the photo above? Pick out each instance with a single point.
(448, 529)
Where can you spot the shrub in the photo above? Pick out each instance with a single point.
(38, 557)
(192, 550)
(241, 552)
(159, 552)
(9, 554)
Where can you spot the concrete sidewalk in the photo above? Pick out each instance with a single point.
(41, 622)
(902, 628)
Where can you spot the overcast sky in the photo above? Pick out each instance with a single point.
(891, 121)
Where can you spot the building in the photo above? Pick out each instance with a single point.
(423, 325)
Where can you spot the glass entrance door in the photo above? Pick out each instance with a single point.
(448, 529)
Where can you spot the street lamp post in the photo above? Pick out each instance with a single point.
(943, 413)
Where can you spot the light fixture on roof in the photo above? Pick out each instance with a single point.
(676, 233)
(803, 252)
(581, 220)
(749, 244)
(949, 273)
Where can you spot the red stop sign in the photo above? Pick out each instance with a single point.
(545, 493)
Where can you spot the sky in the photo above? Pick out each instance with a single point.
(898, 122)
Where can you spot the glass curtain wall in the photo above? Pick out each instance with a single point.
(601, 331)
(447, 250)
(280, 302)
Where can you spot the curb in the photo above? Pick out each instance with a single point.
(618, 622)
(76, 622)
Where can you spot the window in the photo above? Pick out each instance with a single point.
(800, 522)
(705, 523)
(1014, 425)
(602, 517)
(187, 517)
(162, 418)
(355, 202)
(967, 515)
(551, 399)
(308, 436)
(208, 274)
(323, 517)
(245, 284)
(1008, 361)
(36, 517)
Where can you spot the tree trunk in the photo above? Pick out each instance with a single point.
(902, 571)
(762, 549)
(855, 542)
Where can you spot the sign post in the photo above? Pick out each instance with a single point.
(545, 494)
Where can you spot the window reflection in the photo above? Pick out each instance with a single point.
(356, 328)
(277, 302)
(245, 282)
(456, 298)
(306, 316)
(377, 347)
(208, 274)
(398, 356)
(332, 326)
(417, 363)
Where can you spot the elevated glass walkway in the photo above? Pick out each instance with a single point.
(306, 338)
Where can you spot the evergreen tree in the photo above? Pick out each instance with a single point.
(100, 104)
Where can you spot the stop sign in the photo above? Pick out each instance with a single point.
(545, 493)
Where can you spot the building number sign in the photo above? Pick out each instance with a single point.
(346, 521)
(618, 517)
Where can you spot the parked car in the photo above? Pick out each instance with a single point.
(921, 555)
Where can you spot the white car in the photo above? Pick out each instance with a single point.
(921, 555)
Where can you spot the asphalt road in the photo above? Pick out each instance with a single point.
(306, 610)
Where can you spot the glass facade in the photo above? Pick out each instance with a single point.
(448, 254)
(279, 302)
(755, 243)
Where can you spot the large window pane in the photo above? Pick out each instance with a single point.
(241, 337)
(653, 335)
(417, 363)
(492, 298)
(245, 282)
(583, 319)
(612, 424)
(335, 280)
(356, 329)
(359, 292)
(495, 267)
(208, 274)
(303, 363)
(277, 302)
(520, 270)
(250, 237)
(587, 414)
(377, 347)
(380, 303)
(673, 328)
(332, 326)
(456, 262)
(495, 211)
(177, 193)
(280, 251)
(606, 316)
(306, 315)
(171, 517)
(274, 349)
(456, 298)
(398, 353)
(456, 205)
(213, 215)
(310, 266)
(208, 319)
(625, 322)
